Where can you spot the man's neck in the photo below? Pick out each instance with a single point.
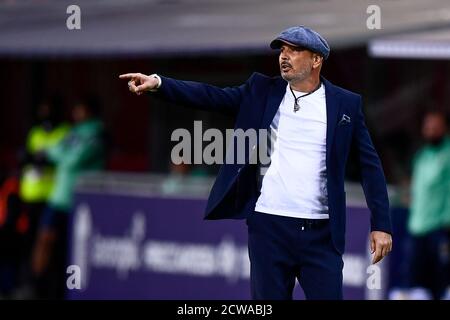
(306, 85)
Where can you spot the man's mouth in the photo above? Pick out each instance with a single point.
(285, 67)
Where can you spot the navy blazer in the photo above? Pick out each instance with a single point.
(254, 105)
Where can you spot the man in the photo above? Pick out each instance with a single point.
(38, 174)
(429, 219)
(296, 214)
(80, 152)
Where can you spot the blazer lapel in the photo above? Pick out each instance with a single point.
(333, 105)
(276, 94)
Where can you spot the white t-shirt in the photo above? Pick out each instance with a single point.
(295, 183)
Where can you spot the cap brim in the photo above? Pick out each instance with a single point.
(277, 43)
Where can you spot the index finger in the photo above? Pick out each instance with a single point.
(128, 75)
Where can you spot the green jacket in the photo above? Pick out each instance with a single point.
(430, 189)
(81, 151)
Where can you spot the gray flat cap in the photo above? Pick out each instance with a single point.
(303, 37)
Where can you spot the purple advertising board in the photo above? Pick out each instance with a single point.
(134, 247)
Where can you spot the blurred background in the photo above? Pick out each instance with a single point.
(85, 173)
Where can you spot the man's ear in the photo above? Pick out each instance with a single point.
(317, 60)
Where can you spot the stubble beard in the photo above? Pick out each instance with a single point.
(297, 77)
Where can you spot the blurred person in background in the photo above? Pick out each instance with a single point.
(37, 178)
(172, 184)
(429, 218)
(81, 151)
(23, 198)
(38, 173)
(182, 175)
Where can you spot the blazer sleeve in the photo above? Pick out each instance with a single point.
(202, 96)
(373, 180)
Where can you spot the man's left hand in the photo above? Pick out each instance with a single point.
(380, 245)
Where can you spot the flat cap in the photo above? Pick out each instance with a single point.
(303, 37)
